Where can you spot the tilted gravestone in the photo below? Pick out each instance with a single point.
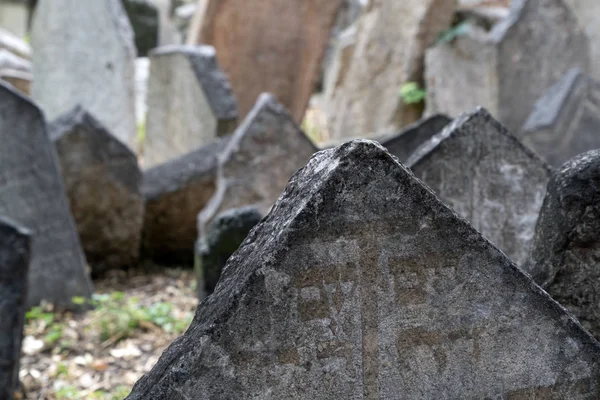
(566, 247)
(484, 173)
(14, 271)
(85, 54)
(32, 193)
(566, 120)
(360, 283)
(175, 192)
(508, 68)
(103, 183)
(266, 149)
(190, 102)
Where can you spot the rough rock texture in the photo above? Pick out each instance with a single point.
(362, 93)
(486, 175)
(566, 119)
(32, 193)
(566, 250)
(85, 54)
(266, 149)
(361, 284)
(14, 271)
(588, 14)
(103, 183)
(507, 69)
(143, 16)
(190, 102)
(175, 192)
(223, 237)
(271, 46)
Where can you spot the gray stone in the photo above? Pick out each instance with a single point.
(361, 284)
(223, 237)
(484, 173)
(566, 248)
(190, 102)
(32, 193)
(144, 19)
(588, 14)
(85, 54)
(14, 271)
(266, 149)
(14, 44)
(566, 120)
(103, 183)
(175, 193)
(508, 68)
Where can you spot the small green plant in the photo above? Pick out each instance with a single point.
(411, 93)
(67, 393)
(37, 314)
(453, 32)
(54, 334)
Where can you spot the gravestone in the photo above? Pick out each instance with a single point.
(14, 270)
(588, 12)
(565, 121)
(103, 183)
(32, 193)
(85, 54)
(175, 192)
(190, 102)
(224, 236)
(484, 173)
(509, 67)
(143, 15)
(271, 46)
(386, 51)
(566, 248)
(340, 293)
(267, 148)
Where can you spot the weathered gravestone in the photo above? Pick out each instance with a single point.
(271, 46)
(484, 173)
(266, 149)
(190, 102)
(175, 193)
(103, 184)
(588, 14)
(85, 54)
(223, 237)
(508, 68)
(565, 121)
(386, 51)
(32, 193)
(566, 248)
(14, 271)
(360, 283)
(143, 15)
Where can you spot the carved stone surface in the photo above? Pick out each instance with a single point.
(566, 120)
(14, 271)
(32, 193)
(103, 183)
(486, 175)
(361, 284)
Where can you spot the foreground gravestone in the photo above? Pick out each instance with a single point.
(566, 119)
(32, 193)
(103, 183)
(190, 102)
(265, 150)
(484, 173)
(85, 54)
(566, 249)
(500, 69)
(339, 293)
(272, 46)
(14, 271)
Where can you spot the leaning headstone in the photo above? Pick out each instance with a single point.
(566, 248)
(361, 284)
(85, 54)
(32, 193)
(190, 102)
(565, 121)
(588, 14)
(267, 148)
(14, 271)
(501, 69)
(103, 183)
(143, 16)
(484, 173)
(275, 46)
